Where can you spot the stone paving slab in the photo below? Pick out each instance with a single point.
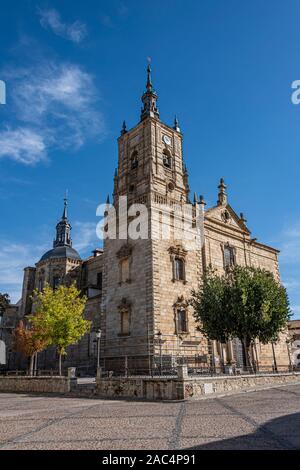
(118, 444)
(213, 426)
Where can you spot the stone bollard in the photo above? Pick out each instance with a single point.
(71, 372)
(182, 372)
(72, 379)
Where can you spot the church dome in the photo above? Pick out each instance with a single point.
(62, 245)
(61, 252)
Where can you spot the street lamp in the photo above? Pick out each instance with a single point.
(288, 342)
(98, 337)
(274, 357)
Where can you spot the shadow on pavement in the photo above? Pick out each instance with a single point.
(278, 434)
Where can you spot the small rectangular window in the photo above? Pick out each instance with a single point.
(56, 282)
(179, 269)
(229, 260)
(125, 270)
(181, 321)
(99, 280)
(125, 322)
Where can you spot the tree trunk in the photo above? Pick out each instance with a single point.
(31, 365)
(59, 363)
(246, 344)
(222, 357)
(35, 364)
(274, 358)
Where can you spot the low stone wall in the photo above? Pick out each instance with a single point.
(35, 384)
(186, 387)
(198, 387)
(152, 389)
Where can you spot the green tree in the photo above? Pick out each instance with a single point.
(59, 315)
(4, 302)
(246, 303)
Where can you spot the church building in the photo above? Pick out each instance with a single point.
(139, 288)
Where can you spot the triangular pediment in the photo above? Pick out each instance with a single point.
(226, 216)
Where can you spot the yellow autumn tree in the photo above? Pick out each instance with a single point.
(28, 342)
(59, 316)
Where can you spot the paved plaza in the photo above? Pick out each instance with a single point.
(266, 419)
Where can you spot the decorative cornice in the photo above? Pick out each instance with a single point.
(124, 304)
(177, 250)
(125, 251)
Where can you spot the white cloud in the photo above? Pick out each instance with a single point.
(57, 103)
(51, 19)
(84, 236)
(14, 257)
(23, 145)
(293, 285)
(295, 309)
(290, 247)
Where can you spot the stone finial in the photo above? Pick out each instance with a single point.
(242, 218)
(176, 124)
(123, 130)
(65, 212)
(107, 199)
(202, 201)
(149, 82)
(195, 199)
(222, 196)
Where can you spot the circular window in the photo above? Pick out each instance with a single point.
(171, 186)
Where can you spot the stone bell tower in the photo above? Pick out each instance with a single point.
(148, 279)
(150, 155)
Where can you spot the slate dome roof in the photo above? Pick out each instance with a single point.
(61, 252)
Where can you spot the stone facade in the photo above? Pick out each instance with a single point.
(294, 335)
(138, 288)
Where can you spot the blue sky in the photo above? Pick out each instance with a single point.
(75, 70)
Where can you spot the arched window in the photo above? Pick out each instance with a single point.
(167, 159)
(134, 160)
(298, 357)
